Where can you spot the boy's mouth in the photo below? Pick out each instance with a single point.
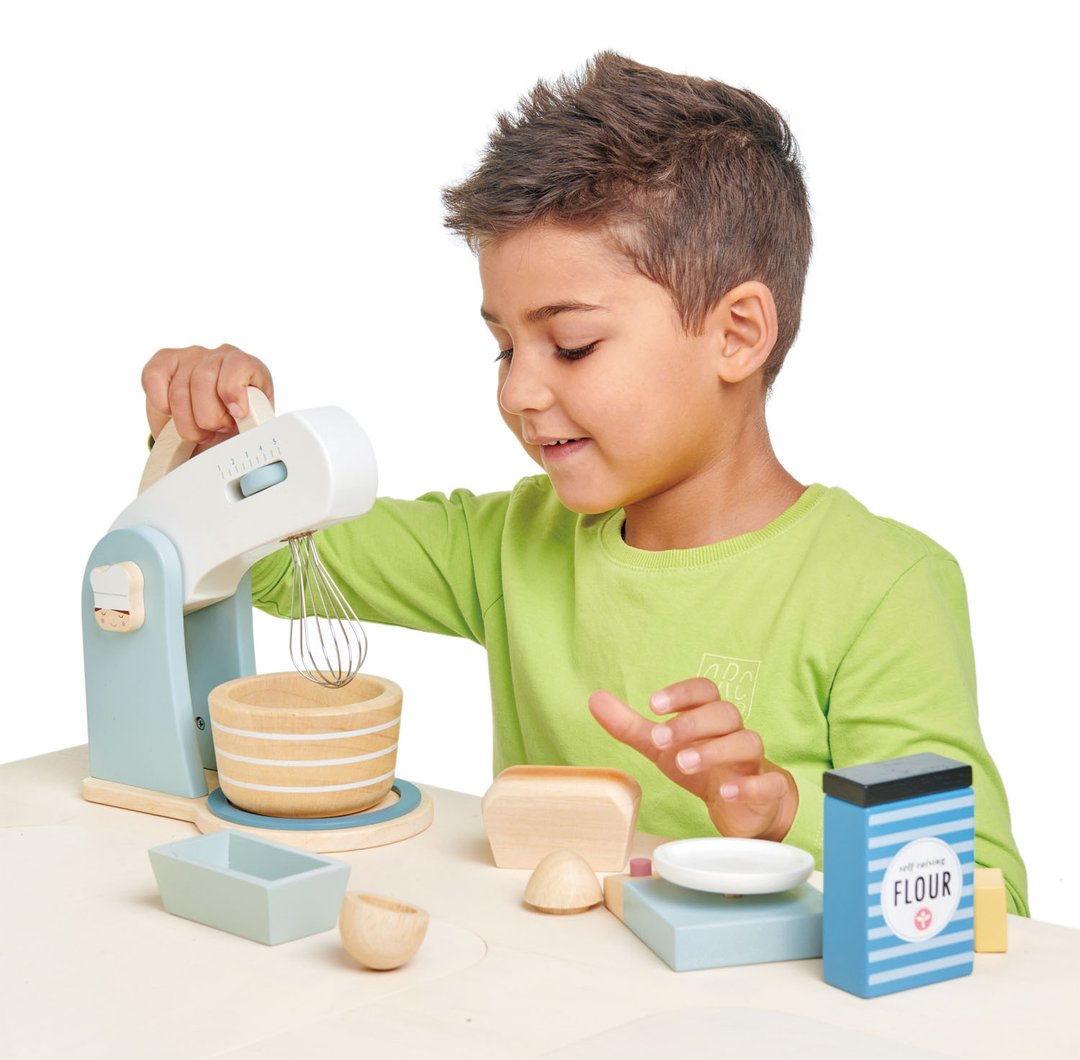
(561, 448)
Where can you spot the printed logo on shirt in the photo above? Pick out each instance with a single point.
(735, 678)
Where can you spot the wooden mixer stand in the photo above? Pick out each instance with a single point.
(320, 839)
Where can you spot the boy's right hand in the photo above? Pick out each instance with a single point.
(202, 391)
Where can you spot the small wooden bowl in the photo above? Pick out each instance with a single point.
(287, 747)
(381, 933)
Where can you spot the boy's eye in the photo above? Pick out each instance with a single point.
(576, 355)
(566, 355)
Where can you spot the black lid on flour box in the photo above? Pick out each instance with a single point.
(896, 778)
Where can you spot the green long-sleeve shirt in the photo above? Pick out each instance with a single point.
(841, 637)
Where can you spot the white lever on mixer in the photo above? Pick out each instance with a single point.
(240, 499)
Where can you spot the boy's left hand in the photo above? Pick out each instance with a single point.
(705, 749)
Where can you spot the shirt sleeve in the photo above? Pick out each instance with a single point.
(907, 685)
(431, 564)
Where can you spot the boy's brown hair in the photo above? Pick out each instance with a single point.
(697, 183)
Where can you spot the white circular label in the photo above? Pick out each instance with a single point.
(921, 889)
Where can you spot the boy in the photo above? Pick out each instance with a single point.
(643, 240)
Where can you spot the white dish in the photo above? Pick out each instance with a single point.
(732, 866)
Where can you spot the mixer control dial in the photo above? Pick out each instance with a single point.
(262, 478)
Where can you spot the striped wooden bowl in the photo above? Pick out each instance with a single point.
(286, 747)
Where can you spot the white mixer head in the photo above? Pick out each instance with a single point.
(241, 499)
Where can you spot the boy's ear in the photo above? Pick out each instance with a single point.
(744, 322)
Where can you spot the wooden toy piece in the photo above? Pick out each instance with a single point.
(169, 452)
(640, 868)
(118, 597)
(700, 929)
(287, 747)
(351, 835)
(530, 811)
(899, 861)
(563, 883)
(381, 933)
(991, 926)
(259, 410)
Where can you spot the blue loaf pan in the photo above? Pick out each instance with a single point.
(253, 887)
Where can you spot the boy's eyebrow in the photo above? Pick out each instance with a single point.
(545, 312)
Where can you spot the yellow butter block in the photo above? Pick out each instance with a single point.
(991, 932)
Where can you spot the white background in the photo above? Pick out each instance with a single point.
(268, 174)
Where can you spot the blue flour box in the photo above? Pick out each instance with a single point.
(899, 874)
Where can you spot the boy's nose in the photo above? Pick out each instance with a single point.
(524, 388)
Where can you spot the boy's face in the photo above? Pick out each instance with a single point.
(636, 402)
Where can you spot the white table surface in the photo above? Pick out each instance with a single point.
(92, 966)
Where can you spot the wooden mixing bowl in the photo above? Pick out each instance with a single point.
(287, 747)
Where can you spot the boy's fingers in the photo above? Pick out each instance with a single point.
(156, 377)
(208, 410)
(219, 383)
(742, 748)
(683, 694)
(181, 408)
(760, 788)
(708, 721)
(202, 391)
(240, 370)
(622, 722)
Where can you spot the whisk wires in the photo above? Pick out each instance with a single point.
(326, 641)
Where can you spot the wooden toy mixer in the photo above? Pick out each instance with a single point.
(166, 607)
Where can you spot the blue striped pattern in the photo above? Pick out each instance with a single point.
(893, 963)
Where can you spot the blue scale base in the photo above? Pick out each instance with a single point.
(408, 799)
(695, 929)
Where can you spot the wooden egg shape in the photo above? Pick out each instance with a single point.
(381, 933)
(563, 883)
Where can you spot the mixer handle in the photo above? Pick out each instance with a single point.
(170, 450)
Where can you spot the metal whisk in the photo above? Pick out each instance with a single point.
(326, 641)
